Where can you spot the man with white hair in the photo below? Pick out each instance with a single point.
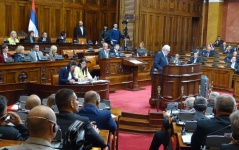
(161, 58)
(211, 99)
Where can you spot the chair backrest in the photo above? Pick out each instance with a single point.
(69, 53)
(54, 79)
(215, 141)
(82, 40)
(78, 51)
(91, 60)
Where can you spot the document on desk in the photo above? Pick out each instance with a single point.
(135, 61)
(187, 137)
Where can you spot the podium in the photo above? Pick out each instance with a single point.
(134, 63)
(172, 78)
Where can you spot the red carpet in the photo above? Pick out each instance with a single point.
(135, 102)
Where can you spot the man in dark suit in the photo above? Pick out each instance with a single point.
(234, 65)
(66, 74)
(67, 104)
(224, 105)
(176, 59)
(237, 48)
(9, 132)
(91, 110)
(208, 52)
(218, 42)
(223, 46)
(194, 59)
(228, 58)
(161, 58)
(197, 50)
(44, 38)
(229, 50)
(80, 31)
(104, 53)
(115, 51)
(62, 38)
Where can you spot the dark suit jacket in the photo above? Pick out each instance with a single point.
(229, 147)
(199, 52)
(159, 61)
(78, 33)
(48, 40)
(173, 60)
(14, 133)
(222, 48)
(27, 40)
(65, 119)
(102, 54)
(191, 60)
(229, 57)
(60, 39)
(113, 54)
(18, 58)
(211, 54)
(2, 60)
(102, 118)
(63, 76)
(214, 126)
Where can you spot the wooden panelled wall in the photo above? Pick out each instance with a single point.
(55, 16)
(174, 22)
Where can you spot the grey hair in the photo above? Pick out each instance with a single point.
(225, 103)
(213, 96)
(166, 47)
(189, 102)
(234, 118)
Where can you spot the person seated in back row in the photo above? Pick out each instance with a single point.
(53, 52)
(19, 56)
(4, 53)
(234, 65)
(44, 38)
(141, 51)
(104, 52)
(35, 54)
(66, 74)
(61, 38)
(13, 38)
(81, 71)
(194, 59)
(176, 59)
(115, 51)
(228, 58)
(30, 38)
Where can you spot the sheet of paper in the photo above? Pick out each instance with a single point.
(135, 61)
(187, 138)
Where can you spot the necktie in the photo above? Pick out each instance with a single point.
(38, 58)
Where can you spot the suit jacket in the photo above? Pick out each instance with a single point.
(27, 40)
(220, 42)
(102, 118)
(229, 147)
(32, 55)
(2, 60)
(14, 132)
(222, 48)
(18, 58)
(102, 54)
(60, 39)
(228, 58)
(113, 54)
(191, 60)
(78, 32)
(198, 52)
(48, 40)
(63, 76)
(205, 54)
(65, 119)
(159, 61)
(214, 126)
(173, 60)
(32, 143)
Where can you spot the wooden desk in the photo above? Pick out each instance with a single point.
(221, 77)
(4, 143)
(105, 135)
(177, 131)
(236, 87)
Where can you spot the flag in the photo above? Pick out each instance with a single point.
(33, 23)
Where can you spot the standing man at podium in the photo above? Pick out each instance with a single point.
(161, 58)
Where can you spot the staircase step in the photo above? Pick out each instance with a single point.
(136, 116)
(134, 129)
(134, 122)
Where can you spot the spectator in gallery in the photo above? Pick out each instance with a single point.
(53, 52)
(228, 50)
(223, 46)
(115, 35)
(141, 51)
(61, 38)
(81, 71)
(105, 34)
(30, 38)
(196, 50)
(19, 56)
(218, 42)
(13, 40)
(208, 52)
(66, 74)
(4, 53)
(44, 38)
(80, 31)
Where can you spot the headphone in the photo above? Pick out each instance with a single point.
(56, 127)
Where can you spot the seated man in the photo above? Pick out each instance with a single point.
(115, 52)
(102, 118)
(234, 65)
(194, 59)
(9, 132)
(44, 38)
(228, 50)
(224, 105)
(211, 99)
(223, 46)
(42, 127)
(208, 52)
(176, 59)
(35, 54)
(218, 42)
(162, 137)
(32, 101)
(104, 53)
(67, 104)
(228, 58)
(197, 50)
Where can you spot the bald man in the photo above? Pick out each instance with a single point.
(42, 127)
(102, 118)
(80, 31)
(32, 101)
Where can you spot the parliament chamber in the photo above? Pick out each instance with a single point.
(183, 25)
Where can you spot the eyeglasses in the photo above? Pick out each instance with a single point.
(3, 118)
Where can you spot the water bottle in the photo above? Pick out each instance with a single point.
(96, 43)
